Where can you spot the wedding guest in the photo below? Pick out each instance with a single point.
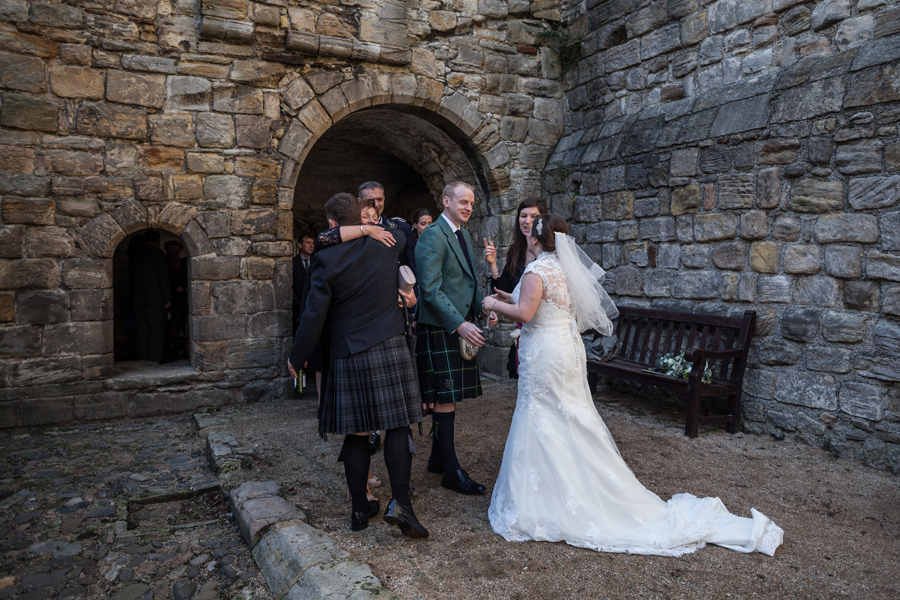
(372, 378)
(516, 259)
(449, 305)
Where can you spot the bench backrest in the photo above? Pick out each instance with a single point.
(645, 335)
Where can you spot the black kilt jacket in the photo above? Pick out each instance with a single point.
(354, 286)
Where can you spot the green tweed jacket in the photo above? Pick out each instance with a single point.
(446, 283)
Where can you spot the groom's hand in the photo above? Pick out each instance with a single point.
(470, 333)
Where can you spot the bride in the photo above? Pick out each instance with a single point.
(562, 477)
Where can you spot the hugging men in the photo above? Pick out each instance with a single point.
(372, 381)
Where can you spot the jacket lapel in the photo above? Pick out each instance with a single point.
(454, 244)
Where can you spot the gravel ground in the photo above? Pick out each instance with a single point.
(841, 519)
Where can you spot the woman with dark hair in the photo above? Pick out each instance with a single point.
(599, 504)
(516, 260)
(421, 219)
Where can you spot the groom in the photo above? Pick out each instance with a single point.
(445, 262)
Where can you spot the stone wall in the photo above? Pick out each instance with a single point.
(739, 154)
(195, 117)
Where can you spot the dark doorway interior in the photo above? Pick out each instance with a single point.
(126, 320)
(340, 163)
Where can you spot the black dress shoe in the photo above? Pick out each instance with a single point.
(402, 516)
(460, 482)
(360, 520)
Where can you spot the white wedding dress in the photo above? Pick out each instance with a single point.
(562, 477)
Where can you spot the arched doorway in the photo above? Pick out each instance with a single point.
(410, 152)
(129, 325)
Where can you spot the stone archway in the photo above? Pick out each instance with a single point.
(415, 100)
(501, 170)
(100, 237)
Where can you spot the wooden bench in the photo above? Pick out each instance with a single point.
(646, 335)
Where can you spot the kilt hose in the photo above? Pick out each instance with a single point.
(443, 375)
(372, 390)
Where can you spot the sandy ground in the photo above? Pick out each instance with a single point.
(841, 519)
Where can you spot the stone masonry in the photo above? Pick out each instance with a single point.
(744, 154)
(712, 156)
(195, 117)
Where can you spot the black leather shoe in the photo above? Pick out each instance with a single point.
(460, 482)
(402, 516)
(360, 520)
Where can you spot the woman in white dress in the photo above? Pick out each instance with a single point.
(562, 477)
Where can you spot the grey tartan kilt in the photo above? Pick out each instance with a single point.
(375, 389)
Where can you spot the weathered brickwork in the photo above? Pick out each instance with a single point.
(739, 154)
(195, 117)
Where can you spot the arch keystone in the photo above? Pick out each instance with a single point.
(131, 216)
(428, 93)
(403, 89)
(381, 88)
(174, 216)
(358, 94)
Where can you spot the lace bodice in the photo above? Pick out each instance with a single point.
(555, 303)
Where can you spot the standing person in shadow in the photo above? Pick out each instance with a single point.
(516, 260)
(151, 294)
(176, 330)
(372, 381)
(305, 249)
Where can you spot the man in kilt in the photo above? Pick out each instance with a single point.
(450, 301)
(371, 382)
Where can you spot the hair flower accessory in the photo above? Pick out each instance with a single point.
(539, 227)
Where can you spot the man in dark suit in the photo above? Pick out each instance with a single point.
(374, 191)
(450, 302)
(151, 295)
(372, 382)
(305, 247)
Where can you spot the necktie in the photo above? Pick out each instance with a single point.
(306, 264)
(465, 248)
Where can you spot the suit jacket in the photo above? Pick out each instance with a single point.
(148, 274)
(298, 284)
(409, 255)
(347, 287)
(446, 282)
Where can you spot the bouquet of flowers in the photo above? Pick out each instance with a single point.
(677, 366)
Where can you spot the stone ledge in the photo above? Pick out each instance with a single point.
(297, 560)
(225, 455)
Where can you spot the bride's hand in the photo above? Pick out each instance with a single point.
(502, 296)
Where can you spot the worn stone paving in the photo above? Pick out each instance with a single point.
(62, 513)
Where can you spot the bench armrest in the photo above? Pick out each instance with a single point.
(692, 354)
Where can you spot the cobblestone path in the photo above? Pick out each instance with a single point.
(62, 507)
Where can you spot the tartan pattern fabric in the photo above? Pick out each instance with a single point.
(372, 390)
(443, 375)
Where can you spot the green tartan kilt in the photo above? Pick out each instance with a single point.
(443, 375)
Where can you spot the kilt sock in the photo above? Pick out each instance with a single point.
(443, 439)
(356, 469)
(398, 459)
